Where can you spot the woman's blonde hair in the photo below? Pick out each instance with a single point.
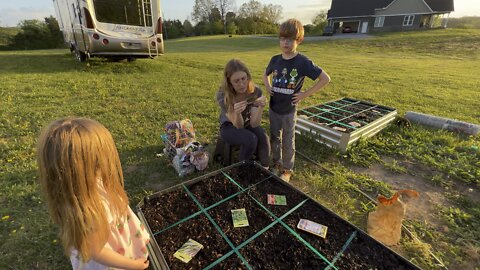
(231, 67)
(76, 157)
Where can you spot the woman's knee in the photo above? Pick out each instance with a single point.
(251, 140)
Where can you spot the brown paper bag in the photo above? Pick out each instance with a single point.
(385, 223)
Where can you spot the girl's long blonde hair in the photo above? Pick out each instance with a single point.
(231, 67)
(76, 157)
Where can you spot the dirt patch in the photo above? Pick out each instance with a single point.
(421, 208)
(426, 206)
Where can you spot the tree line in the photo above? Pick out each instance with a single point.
(35, 34)
(209, 17)
(213, 17)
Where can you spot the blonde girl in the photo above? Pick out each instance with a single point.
(241, 106)
(81, 177)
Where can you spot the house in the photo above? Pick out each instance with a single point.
(367, 16)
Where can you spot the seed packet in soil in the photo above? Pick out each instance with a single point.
(354, 124)
(239, 217)
(188, 250)
(312, 227)
(339, 128)
(276, 199)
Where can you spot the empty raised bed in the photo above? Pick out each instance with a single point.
(201, 210)
(341, 122)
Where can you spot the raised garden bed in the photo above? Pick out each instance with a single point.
(200, 209)
(341, 122)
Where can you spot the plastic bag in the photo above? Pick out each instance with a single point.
(180, 133)
(385, 223)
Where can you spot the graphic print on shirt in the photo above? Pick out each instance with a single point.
(274, 76)
(282, 84)
(283, 80)
(293, 81)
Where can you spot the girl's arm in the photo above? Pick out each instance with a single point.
(323, 80)
(235, 116)
(110, 258)
(256, 112)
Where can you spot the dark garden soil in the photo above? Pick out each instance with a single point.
(277, 247)
(351, 116)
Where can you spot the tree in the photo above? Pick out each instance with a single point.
(188, 28)
(34, 34)
(320, 21)
(56, 37)
(272, 13)
(202, 10)
(224, 6)
(215, 15)
(174, 28)
(251, 11)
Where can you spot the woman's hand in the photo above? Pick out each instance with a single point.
(239, 107)
(261, 101)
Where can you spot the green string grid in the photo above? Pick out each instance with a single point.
(217, 227)
(208, 208)
(235, 250)
(285, 225)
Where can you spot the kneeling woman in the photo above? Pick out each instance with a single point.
(241, 104)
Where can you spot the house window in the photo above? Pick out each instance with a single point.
(408, 20)
(379, 21)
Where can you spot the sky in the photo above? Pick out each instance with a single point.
(14, 11)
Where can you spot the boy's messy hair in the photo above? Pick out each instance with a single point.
(77, 162)
(233, 66)
(291, 28)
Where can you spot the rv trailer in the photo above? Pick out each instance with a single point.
(118, 29)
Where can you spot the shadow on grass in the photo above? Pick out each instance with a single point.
(147, 170)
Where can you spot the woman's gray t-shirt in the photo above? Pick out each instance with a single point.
(257, 92)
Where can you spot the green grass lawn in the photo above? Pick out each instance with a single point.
(432, 72)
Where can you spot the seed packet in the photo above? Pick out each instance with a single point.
(239, 217)
(312, 227)
(339, 128)
(354, 124)
(188, 250)
(251, 99)
(276, 199)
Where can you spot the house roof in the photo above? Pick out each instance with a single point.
(354, 8)
(440, 5)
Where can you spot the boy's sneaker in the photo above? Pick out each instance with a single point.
(286, 175)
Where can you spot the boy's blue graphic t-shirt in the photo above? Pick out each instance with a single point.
(287, 79)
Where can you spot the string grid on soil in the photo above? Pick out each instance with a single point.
(346, 115)
(201, 210)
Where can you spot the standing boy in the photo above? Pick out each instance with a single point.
(283, 79)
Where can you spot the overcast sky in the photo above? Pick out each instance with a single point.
(13, 11)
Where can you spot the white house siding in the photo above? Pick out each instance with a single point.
(399, 7)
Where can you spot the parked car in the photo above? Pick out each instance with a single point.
(348, 29)
(327, 31)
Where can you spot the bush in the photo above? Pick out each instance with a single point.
(35, 34)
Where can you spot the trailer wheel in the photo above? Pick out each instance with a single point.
(81, 56)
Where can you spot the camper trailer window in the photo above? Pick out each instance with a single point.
(128, 12)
